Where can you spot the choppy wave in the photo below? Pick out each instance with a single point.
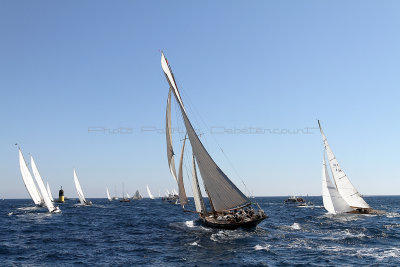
(153, 233)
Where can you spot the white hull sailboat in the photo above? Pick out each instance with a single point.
(230, 208)
(79, 191)
(149, 193)
(28, 181)
(108, 195)
(341, 197)
(43, 190)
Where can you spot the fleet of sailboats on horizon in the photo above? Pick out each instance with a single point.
(229, 207)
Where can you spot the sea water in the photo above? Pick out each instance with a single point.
(154, 233)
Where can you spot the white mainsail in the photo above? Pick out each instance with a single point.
(223, 193)
(149, 193)
(42, 188)
(28, 180)
(79, 189)
(333, 201)
(198, 198)
(49, 192)
(168, 132)
(343, 184)
(108, 195)
(182, 194)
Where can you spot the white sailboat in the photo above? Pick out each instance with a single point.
(79, 191)
(28, 181)
(333, 201)
(344, 187)
(230, 208)
(49, 192)
(108, 195)
(149, 193)
(43, 190)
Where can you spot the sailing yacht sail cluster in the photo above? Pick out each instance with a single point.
(342, 197)
(40, 195)
(230, 208)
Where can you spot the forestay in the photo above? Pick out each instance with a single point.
(343, 184)
(28, 180)
(333, 201)
(222, 192)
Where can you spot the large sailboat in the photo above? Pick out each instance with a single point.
(43, 190)
(230, 208)
(28, 181)
(79, 191)
(341, 197)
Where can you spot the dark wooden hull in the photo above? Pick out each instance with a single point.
(230, 225)
(366, 211)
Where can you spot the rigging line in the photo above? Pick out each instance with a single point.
(193, 108)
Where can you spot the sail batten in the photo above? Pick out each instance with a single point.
(182, 194)
(223, 193)
(343, 184)
(28, 180)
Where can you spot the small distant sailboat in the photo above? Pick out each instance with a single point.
(149, 193)
(81, 196)
(137, 196)
(124, 198)
(343, 197)
(28, 181)
(43, 190)
(108, 195)
(128, 196)
(49, 192)
(230, 208)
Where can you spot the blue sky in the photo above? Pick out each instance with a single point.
(66, 67)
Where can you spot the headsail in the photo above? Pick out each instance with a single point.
(79, 189)
(223, 193)
(182, 194)
(198, 198)
(149, 193)
(49, 192)
(108, 195)
(28, 180)
(168, 132)
(333, 201)
(42, 188)
(343, 184)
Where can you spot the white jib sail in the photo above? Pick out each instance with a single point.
(128, 196)
(149, 193)
(79, 189)
(108, 195)
(333, 201)
(28, 180)
(49, 192)
(343, 184)
(42, 188)
(198, 198)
